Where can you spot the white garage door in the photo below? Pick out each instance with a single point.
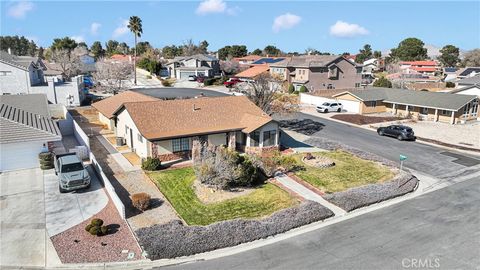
(185, 74)
(350, 106)
(23, 155)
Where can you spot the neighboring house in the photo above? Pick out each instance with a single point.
(25, 75)
(318, 72)
(18, 74)
(172, 129)
(246, 60)
(108, 106)
(469, 81)
(428, 67)
(468, 72)
(369, 67)
(181, 67)
(253, 72)
(449, 74)
(26, 128)
(434, 106)
(473, 90)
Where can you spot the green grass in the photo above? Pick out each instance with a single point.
(349, 171)
(176, 185)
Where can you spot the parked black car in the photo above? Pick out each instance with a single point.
(398, 131)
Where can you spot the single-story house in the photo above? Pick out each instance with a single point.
(26, 128)
(108, 106)
(435, 106)
(173, 129)
(253, 72)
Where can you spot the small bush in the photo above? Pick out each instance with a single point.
(47, 156)
(148, 77)
(151, 164)
(46, 167)
(208, 82)
(96, 222)
(104, 230)
(302, 89)
(88, 227)
(450, 85)
(95, 230)
(141, 201)
(309, 156)
(291, 88)
(296, 92)
(289, 163)
(175, 240)
(166, 83)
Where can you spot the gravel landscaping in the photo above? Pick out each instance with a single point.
(355, 198)
(363, 119)
(175, 240)
(78, 246)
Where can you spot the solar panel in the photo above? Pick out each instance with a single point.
(467, 71)
(267, 60)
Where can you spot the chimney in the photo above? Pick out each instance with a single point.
(9, 50)
(194, 109)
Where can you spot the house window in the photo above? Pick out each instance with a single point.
(330, 86)
(269, 138)
(126, 130)
(445, 112)
(372, 104)
(180, 144)
(5, 73)
(357, 85)
(255, 138)
(140, 137)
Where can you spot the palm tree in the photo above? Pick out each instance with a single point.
(135, 26)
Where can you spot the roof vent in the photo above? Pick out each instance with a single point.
(195, 108)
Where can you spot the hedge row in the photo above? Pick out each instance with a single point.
(355, 198)
(175, 240)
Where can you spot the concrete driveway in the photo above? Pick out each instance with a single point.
(32, 210)
(65, 210)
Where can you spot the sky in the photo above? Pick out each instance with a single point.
(328, 26)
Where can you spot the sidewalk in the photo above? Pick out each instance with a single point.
(306, 193)
(117, 156)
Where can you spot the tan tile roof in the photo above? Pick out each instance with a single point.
(109, 105)
(178, 118)
(253, 71)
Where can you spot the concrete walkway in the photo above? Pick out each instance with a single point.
(307, 193)
(117, 156)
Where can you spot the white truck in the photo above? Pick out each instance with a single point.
(71, 172)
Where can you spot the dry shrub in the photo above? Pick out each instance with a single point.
(141, 201)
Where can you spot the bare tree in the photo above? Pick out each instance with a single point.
(229, 67)
(68, 62)
(112, 75)
(265, 92)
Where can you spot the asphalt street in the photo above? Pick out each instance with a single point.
(438, 230)
(431, 160)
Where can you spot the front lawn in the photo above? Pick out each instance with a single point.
(349, 171)
(176, 185)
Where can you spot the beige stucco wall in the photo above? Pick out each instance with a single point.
(380, 107)
(270, 126)
(104, 120)
(140, 147)
(346, 96)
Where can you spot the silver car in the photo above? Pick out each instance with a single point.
(71, 173)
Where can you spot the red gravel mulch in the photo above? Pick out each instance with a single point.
(90, 248)
(364, 120)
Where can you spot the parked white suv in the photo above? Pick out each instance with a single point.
(330, 107)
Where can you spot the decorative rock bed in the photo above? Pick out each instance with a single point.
(175, 239)
(318, 161)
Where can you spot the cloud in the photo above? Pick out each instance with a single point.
(285, 21)
(94, 28)
(347, 30)
(121, 30)
(213, 6)
(20, 9)
(78, 39)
